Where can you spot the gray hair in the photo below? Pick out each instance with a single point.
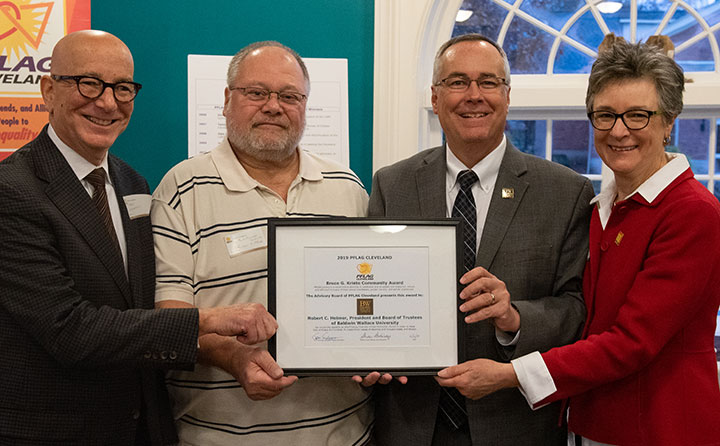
(627, 61)
(437, 66)
(238, 58)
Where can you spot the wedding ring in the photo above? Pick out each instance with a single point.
(492, 298)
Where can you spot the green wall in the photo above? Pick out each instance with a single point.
(161, 33)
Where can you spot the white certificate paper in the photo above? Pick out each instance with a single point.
(367, 296)
(355, 295)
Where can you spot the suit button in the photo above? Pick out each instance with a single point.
(173, 355)
(136, 414)
(164, 355)
(147, 355)
(604, 246)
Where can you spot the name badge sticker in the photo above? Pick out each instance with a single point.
(245, 240)
(138, 205)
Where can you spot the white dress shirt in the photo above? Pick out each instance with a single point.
(82, 167)
(487, 172)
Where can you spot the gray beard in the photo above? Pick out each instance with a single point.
(270, 151)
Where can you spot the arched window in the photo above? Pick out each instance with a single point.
(551, 46)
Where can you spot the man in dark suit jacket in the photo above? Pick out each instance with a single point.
(524, 293)
(81, 351)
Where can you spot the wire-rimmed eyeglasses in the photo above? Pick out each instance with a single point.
(92, 87)
(262, 95)
(636, 119)
(462, 83)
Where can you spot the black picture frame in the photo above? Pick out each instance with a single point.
(290, 240)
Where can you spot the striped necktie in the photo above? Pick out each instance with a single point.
(452, 403)
(464, 208)
(96, 178)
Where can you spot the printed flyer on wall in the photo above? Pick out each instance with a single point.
(29, 30)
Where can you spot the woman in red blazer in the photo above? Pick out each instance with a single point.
(645, 371)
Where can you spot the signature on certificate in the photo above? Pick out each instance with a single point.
(377, 336)
(327, 337)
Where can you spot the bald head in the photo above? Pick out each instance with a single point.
(87, 44)
(88, 125)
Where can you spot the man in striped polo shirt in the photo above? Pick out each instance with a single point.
(209, 219)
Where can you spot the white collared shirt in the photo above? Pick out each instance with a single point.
(82, 167)
(487, 171)
(649, 189)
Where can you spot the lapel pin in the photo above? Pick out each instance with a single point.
(508, 192)
(619, 238)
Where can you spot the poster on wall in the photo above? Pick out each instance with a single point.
(326, 130)
(29, 30)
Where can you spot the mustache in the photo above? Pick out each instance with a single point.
(278, 123)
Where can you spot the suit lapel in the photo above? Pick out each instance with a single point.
(502, 210)
(71, 198)
(132, 237)
(430, 181)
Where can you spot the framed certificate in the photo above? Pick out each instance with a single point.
(357, 295)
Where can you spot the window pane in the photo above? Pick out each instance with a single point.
(486, 19)
(570, 60)
(717, 146)
(650, 14)
(528, 136)
(586, 31)
(691, 137)
(596, 186)
(698, 56)
(717, 188)
(572, 146)
(527, 47)
(554, 13)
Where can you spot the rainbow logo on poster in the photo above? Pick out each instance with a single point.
(29, 29)
(24, 57)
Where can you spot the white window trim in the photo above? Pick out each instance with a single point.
(407, 35)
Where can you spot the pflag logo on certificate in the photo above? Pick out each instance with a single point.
(364, 268)
(364, 307)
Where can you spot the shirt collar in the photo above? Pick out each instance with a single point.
(236, 178)
(486, 169)
(79, 165)
(650, 189)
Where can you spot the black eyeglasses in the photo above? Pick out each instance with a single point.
(462, 83)
(633, 119)
(92, 87)
(262, 95)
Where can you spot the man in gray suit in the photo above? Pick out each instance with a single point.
(525, 258)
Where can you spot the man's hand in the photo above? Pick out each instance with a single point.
(377, 378)
(478, 378)
(487, 297)
(261, 377)
(249, 322)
